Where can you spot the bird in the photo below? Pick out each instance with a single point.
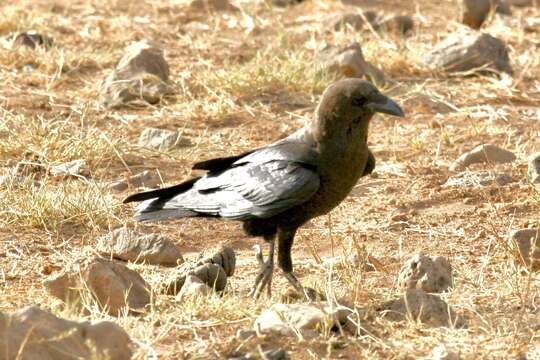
(275, 189)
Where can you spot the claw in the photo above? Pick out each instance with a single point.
(264, 277)
(298, 286)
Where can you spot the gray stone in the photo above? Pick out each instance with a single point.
(162, 140)
(211, 274)
(353, 20)
(146, 179)
(478, 179)
(486, 153)
(417, 305)
(128, 245)
(75, 168)
(533, 170)
(141, 76)
(348, 61)
(34, 334)
(224, 257)
(32, 39)
(469, 51)
(193, 287)
(475, 12)
(289, 319)
(433, 274)
(526, 246)
(112, 286)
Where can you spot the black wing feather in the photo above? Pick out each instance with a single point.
(164, 194)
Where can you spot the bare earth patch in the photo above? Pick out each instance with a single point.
(242, 78)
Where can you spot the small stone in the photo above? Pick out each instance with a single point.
(287, 319)
(475, 12)
(245, 334)
(293, 296)
(348, 62)
(470, 51)
(478, 179)
(442, 353)
(162, 140)
(146, 179)
(211, 274)
(128, 245)
(193, 287)
(397, 24)
(526, 245)
(533, 171)
(33, 334)
(417, 305)
(213, 5)
(111, 285)
(32, 39)
(224, 257)
(353, 20)
(141, 76)
(486, 153)
(76, 168)
(433, 274)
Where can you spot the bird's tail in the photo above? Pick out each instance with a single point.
(152, 207)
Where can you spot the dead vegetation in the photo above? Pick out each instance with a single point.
(244, 79)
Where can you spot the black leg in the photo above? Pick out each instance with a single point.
(285, 242)
(264, 277)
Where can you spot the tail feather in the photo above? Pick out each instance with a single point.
(164, 193)
(151, 209)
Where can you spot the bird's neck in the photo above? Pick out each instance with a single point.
(337, 140)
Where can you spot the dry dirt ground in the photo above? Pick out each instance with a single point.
(244, 80)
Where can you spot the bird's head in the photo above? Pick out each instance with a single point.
(349, 104)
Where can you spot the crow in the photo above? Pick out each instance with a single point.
(276, 189)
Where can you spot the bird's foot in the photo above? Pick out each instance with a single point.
(308, 295)
(264, 277)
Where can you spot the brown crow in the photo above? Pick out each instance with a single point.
(275, 189)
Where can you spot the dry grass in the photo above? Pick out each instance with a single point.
(244, 80)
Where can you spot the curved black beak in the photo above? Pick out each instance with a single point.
(383, 104)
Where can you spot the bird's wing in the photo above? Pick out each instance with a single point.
(250, 190)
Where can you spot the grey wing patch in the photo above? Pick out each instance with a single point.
(250, 191)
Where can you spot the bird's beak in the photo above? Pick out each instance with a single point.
(383, 104)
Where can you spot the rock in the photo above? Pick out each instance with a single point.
(348, 62)
(75, 168)
(34, 334)
(142, 75)
(433, 274)
(397, 24)
(486, 153)
(293, 296)
(353, 20)
(475, 12)
(526, 246)
(212, 5)
(32, 39)
(128, 245)
(285, 3)
(143, 179)
(112, 286)
(224, 257)
(193, 287)
(478, 179)
(419, 306)
(162, 140)
(287, 319)
(469, 51)
(211, 274)
(533, 170)
(442, 353)
(278, 354)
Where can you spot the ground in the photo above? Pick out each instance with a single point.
(246, 79)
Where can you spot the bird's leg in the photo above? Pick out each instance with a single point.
(264, 277)
(285, 239)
